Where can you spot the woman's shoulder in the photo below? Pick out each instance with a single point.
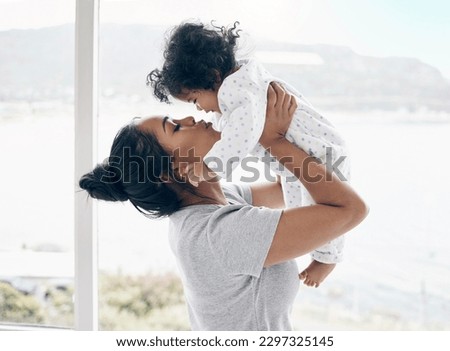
(237, 193)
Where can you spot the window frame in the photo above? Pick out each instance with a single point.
(85, 154)
(86, 140)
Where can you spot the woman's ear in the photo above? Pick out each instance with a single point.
(180, 169)
(180, 174)
(164, 177)
(187, 173)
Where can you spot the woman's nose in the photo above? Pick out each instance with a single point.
(187, 121)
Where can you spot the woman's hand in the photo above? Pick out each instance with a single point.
(281, 107)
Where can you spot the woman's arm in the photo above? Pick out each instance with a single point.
(338, 207)
(268, 194)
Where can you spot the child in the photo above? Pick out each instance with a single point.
(200, 67)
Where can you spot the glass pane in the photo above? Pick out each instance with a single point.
(138, 287)
(393, 112)
(37, 185)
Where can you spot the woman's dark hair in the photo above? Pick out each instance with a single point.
(132, 172)
(195, 57)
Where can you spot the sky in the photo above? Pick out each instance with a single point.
(414, 28)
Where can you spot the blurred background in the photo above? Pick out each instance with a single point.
(380, 71)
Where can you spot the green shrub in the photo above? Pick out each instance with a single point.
(140, 295)
(17, 307)
(146, 302)
(59, 306)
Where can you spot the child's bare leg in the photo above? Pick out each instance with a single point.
(316, 273)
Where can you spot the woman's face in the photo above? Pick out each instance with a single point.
(185, 139)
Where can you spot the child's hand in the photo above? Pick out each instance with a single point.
(281, 107)
(316, 273)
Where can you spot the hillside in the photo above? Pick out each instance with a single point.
(38, 64)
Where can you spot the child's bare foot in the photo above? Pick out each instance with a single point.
(316, 273)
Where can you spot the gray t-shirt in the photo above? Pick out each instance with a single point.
(220, 251)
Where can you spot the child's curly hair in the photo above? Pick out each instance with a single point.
(196, 57)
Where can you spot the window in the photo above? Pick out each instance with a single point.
(368, 99)
(37, 177)
(393, 112)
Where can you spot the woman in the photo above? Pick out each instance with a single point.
(234, 246)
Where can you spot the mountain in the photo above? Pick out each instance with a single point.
(38, 64)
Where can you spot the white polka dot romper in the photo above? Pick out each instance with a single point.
(242, 101)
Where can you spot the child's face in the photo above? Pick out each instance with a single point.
(204, 100)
